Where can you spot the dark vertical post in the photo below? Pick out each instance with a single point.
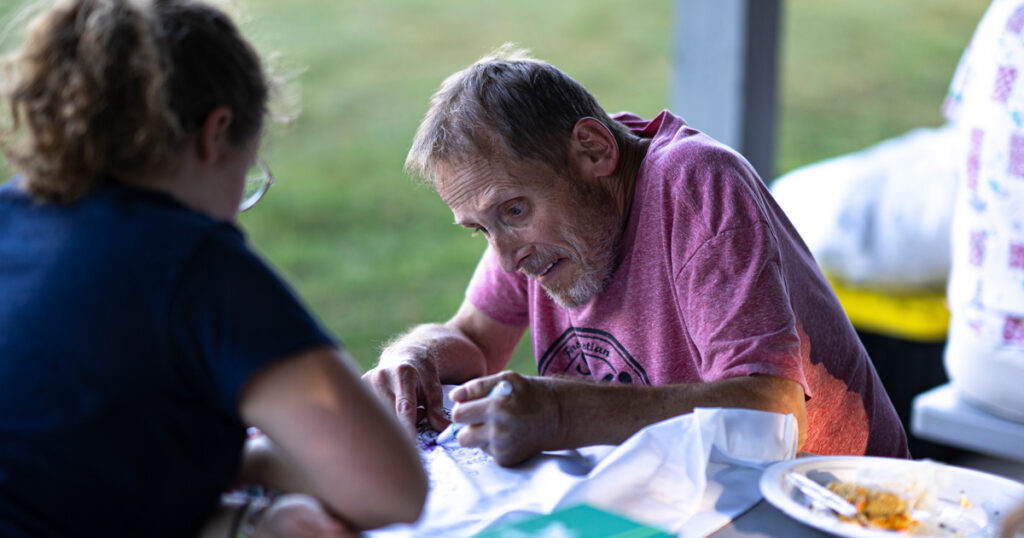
(724, 79)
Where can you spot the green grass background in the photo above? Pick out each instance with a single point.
(372, 253)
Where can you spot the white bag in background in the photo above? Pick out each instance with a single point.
(879, 217)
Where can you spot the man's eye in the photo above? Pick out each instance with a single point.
(516, 210)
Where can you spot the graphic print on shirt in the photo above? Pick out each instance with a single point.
(1016, 166)
(1005, 77)
(1013, 330)
(1016, 255)
(1016, 21)
(974, 161)
(593, 353)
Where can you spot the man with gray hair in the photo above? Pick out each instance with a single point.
(652, 266)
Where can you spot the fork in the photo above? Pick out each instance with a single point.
(821, 494)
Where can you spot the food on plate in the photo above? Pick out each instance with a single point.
(876, 508)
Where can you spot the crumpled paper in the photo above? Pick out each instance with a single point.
(688, 475)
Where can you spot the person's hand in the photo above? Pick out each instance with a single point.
(406, 379)
(512, 427)
(298, 515)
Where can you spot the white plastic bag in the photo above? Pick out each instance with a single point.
(879, 217)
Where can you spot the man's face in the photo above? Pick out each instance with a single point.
(562, 232)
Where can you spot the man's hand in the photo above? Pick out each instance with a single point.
(407, 378)
(512, 427)
(299, 516)
(412, 368)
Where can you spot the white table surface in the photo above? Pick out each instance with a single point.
(941, 415)
(766, 521)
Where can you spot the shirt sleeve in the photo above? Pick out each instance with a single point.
(501, 295)
(232, 316)
(737, 308)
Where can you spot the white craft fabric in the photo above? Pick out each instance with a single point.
(688, 475)
(879, 217)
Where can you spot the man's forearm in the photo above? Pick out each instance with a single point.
(598, 413)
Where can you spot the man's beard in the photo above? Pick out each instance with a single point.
(596, 234)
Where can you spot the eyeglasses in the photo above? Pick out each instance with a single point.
(257, 181)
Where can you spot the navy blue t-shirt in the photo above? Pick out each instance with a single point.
(128, 327)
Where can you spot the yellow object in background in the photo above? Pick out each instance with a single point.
(920, 316)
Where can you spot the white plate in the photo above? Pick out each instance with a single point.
(991, 496)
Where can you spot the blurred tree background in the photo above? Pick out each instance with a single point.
(372, 253)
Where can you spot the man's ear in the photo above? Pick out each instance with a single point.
(594, 148)
(213, 137)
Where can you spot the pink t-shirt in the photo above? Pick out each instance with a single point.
(714, 283)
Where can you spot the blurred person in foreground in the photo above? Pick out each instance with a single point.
(985, 347)
(652, 267)
(139, 333)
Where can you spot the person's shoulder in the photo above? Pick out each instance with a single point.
(718, 158)
(152, 228)
(705, 179)
(161, 215)
(693, 154)
(225, 240)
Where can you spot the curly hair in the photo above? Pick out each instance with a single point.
(111, 88)
(505, 102)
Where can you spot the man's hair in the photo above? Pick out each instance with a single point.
(505, 103)
(113, 87)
